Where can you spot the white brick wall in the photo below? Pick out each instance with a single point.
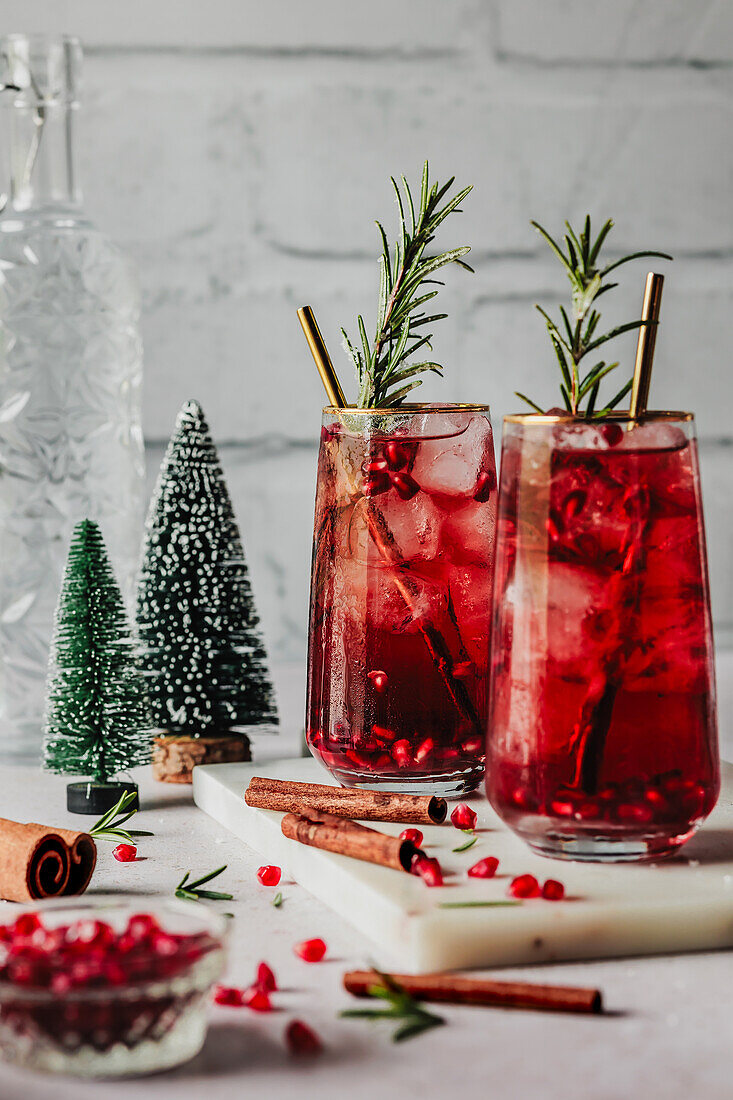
(240, 151)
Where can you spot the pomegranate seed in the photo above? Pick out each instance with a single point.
(553, 890)
(524, 886)
(485, 868)
(485, 484)
(269, 876)
(397, 456)
(26, 924)
(474, 745)
(413, 835)
(574, 503)
(462, 670)
(311, 951)
(612, 433)
(141, 926)
(228, 995)
(257, 999)
(383, 733)
(562, 807)
(125, 853)
(165, 945)
(463, 817)
(376, 466)
(554, 526)
(424, 750)
(428, 869)
(405, 485)
(373, 486)
(266, 978)
(637, 815)
(401, 753)
(380, 681)
(301, 1040)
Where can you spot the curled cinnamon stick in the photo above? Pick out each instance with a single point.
(291, 797)
(37, 861)
(348, 838)
(451, 989)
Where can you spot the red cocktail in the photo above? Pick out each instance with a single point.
(400, 596)
(602, 730)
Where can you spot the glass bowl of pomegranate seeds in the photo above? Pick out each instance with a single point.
(107, 987)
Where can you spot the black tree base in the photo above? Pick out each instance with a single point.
(88, 797)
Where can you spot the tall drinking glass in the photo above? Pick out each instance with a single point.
(400, 596)
(602, 730)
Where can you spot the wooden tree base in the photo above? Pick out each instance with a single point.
(174, 758)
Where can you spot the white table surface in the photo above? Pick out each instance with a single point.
(667, 1032)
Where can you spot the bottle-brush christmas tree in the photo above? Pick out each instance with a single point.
(202, 649)
(98, 720)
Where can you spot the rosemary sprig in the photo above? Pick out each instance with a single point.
(384, 376)
(190, 890)
(277, 900)
(109, 829)
(414, 1019)
(477, 904)
(576, 334)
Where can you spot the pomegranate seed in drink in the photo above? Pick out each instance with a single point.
(485, 485)
(397, 455)
(401, 753)
(485, 868)
(269, 875)
(311, 951)
(524, 886)
(266, 978)
(424, 750)
(413, 835)
(405, 485)
(301, 1039)
(257, 999)
(228, 995)
(125, 853)
(375, 484)
(553, 890)
(463, 817)
(380, 680)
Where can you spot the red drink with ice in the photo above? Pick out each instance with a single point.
(602, 730)
(401, 597)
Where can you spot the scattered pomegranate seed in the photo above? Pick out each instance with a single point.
(553, 890)
(380, 681)
(405, 485)
(524, 886)
(428, 869)
(311, 951)
(485, 484)
(413, 835)
(228, 995)
(269, 876)
(397, 455)
(485, 868)
(301, 1040)
(265, 978)
(257, 999)
(463, 817)
(125, 853)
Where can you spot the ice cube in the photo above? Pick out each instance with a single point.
(450, 467)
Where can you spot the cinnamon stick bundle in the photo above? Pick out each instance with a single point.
(37, 861)
(348, 838)
(451, 989)
(298, 798)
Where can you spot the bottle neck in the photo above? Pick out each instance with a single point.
(40, 171)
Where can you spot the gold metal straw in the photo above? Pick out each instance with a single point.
(645, 344)
(319, 351)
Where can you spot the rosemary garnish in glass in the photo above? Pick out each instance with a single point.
(384, 375)
(576, 334)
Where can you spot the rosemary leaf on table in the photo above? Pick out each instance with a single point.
(191, 891)
(413, 1019)
(109, 829)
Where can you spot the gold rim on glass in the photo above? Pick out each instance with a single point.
(394, 410)
(552, 418)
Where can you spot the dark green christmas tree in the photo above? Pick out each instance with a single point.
(98, 719)
(202, 649)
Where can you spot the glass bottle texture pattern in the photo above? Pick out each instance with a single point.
(602, 738)
(70, 375)
(400, 597)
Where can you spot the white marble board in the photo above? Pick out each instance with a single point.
(683, 904)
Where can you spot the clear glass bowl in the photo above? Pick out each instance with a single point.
(151, 1014)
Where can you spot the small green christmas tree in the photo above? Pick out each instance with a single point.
(198, 627)
(98, 719)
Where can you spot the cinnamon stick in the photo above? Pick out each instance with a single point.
(37, 861)
(348, 838)
(451, 989)
(291, 797)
